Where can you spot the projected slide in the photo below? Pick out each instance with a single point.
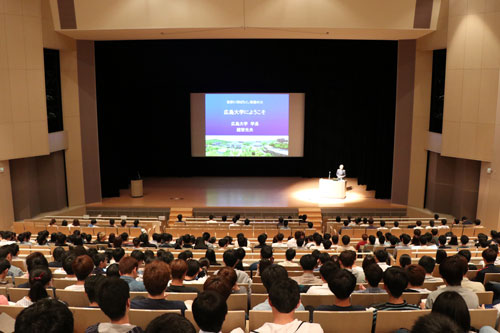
(246, 125)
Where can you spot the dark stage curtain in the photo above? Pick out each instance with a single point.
(143, 92)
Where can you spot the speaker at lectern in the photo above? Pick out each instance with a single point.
(334, 188)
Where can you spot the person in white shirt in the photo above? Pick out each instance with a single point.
(443, 224)
(347, 260)
(82, 267)
(283, 294)
(279, 242)
(396, 226)
(209, 312)
(289, 255)
(419, 225)
(211, 219)
(192, 272)
(381, 258)
(326, 271)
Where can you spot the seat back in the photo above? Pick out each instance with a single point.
(389, 321)
(237, 302)
(481, 317)
(73, 298)
(62, 283)
(258, 288)
(16, 294)
(369, 299)
(259, 318)
(414, 298)
(491, 277)
(11, 310)
(85, 317)
(315, 300)
(21, 280)
(181, 296)
(234, 319)
(257, 299)
(142, 318)
(344, 321)
(485, 297)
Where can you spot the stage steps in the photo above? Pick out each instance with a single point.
(314, 215)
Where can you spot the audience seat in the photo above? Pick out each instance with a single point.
(258, 288)
(485, 297)
(85, 317)
(491, 277)
(62, 283)
(11, 310)
(389, 321)
(73, 298)
(258, 318)
(315, 300)
(15, 294)
(257, 299)
(344, 321)
(481, 317)
(234, 319)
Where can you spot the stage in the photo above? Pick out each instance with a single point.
(200, 192)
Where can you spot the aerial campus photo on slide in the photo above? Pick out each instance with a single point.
(246, 125)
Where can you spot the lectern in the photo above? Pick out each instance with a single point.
(332, 188)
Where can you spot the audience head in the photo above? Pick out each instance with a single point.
(266, 252)
(464, 240)
(347, 258)
(428, 263)
(39, 279)
(290, 254)
(416, 275)
(452, 305)
(193, 268)
(452, 270)
(342, 284)
(346, 240)
(209, 311)
(404, 260)
(156, 277)
(179, 268)
(435, 323)
(92, 284)
(272, 274)
(328, 270)
(395, 281)
(219, 284)
(82, 267)
(35, 259)
(373, 274)
(46, 316)
(171, 323)
(128, 266)
(440, 256)
(489, 255)
(230, 258)
(308, 262)
(284, 295)
(368, 260)
(113, 298)
(381, 255)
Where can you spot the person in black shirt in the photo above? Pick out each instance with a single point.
(342, 284)
(156, 277)
(179, 268)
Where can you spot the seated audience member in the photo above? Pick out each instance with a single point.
(347, 260)
(40, 278)
(284, 299)
(428, 263)
(210, 255)
(269, 276)
(5, 253)
(443, 224)
(262, 265)
(113, 297)
(489, 256)
(416, 278)
(452, 270)
(178, 270)
(82, 267)
(345, 227)
(292, 243)
(45, 316)
(345, 244)
(475, 286)
(218, 284)
(170, 323)
(192, 272)
(404, 260)
(464, 242)
(395, 282)
(128, 267)
(308, 263)
(467, 255)
(327, 272)
(113, 270)
(435, 323)
(57, 254)
(442, 242)
(230, 275)
(91, 285)
(230, 258)
(279, 242)
(4, 270)
(289, 255)
(373, 275)
(381, 256)
(209, 312)
(156, 277)
(362, 242)
(342, 284)
(452, 305)
(100, 263)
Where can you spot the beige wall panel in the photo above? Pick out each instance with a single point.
(439, 38)
(458, 7)
(455, 52)
(6, 141)
(473, 41)
(39, 130)
(69, 88)
(33, 44)
(74, 176)
(453, 95)
(69, 62)
(467, 140)
(3, 44)
(22, 139)
(476, 6)
(51, 38)
(451, 137)
(14, 7)
(491, 40)
(488, 96)
(132, 14)
(19, 95)
(484, 141)
(6, 111)
(6, 207)
(32, 8)
(72, 127)
(492, 5)
(470, 95)
(16, 54)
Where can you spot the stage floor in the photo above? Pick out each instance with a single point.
(243, 192)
